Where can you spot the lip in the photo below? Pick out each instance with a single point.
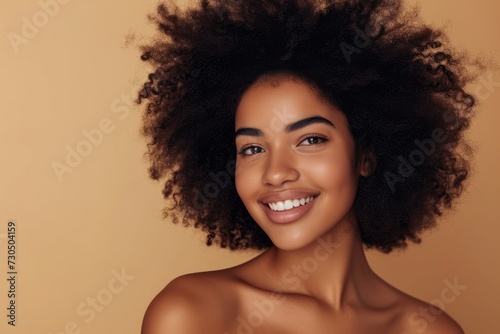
(287, 216)
(284, 195)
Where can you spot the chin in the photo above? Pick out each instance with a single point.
(291, 242)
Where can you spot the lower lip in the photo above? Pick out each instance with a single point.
(288, 216)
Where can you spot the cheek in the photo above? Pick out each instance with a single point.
(332, 169)
(245, 181)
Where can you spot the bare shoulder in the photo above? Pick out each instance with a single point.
(193, 303)
(423, 318)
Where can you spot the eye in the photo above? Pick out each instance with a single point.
(250, 150)
(313, 140)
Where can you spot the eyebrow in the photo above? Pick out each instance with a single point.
(289, 128)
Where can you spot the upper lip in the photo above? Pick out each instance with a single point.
(284, 195)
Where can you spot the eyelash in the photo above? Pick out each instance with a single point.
(323, 140)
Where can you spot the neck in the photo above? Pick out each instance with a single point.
(333, 269)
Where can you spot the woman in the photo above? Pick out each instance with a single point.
(309, 129)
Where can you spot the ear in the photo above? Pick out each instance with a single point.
(367, 162)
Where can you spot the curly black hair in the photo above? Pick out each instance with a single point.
(397, 80)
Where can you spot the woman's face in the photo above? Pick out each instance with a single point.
(296, 152)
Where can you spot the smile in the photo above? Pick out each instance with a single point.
(289, 203)
(288, 207)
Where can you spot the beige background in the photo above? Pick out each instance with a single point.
(78, 231)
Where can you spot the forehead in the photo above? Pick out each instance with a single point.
(283, 84)
(285, 98)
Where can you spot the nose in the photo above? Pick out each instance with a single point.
(280, 167)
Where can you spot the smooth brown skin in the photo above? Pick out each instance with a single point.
(316, 278)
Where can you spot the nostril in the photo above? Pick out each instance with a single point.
(279, 176)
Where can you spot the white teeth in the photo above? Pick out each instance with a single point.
(289, 204)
